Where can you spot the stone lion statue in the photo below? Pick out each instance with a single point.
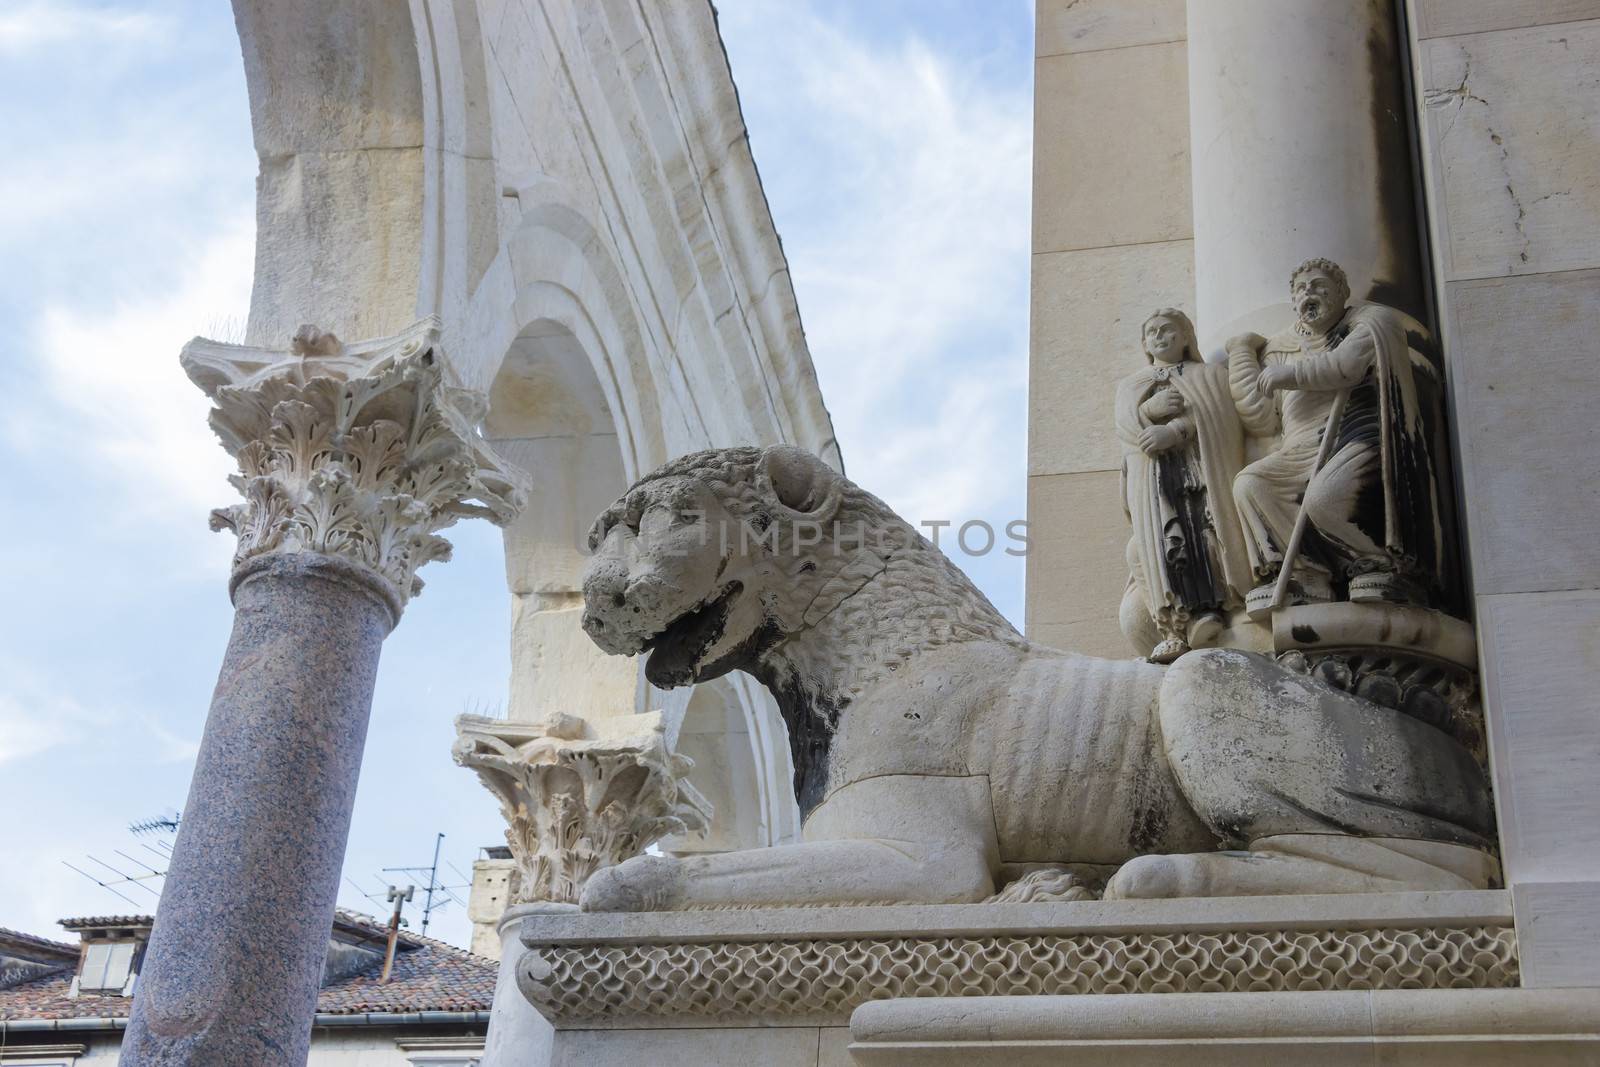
(935, 748)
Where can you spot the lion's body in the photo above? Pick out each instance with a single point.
(933, 743)
(1070, 746)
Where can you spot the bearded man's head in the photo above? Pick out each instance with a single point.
(1319, 293)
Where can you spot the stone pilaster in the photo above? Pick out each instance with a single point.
(351, 459)
(578, 796)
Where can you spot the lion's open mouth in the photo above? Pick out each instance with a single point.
(676, 652)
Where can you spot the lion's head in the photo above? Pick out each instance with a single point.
(709, 560)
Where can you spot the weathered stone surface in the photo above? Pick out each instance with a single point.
(494, 884)
(1539, 652)
(351, 458)
(1073, 521)
(1111, 227)
(1350, 761)
(1507, 117)
(1519, 420)
(1062, 26)
(1111, 190)
(360, 451)
(1402, 1028)
(554, 668)
(1516, 165)
(789, 1046)
(1182, 447)
(1562, 921)
(1445, 18)
(352, 134)
(1084, 324)
(518, 1034)
(833, 1047)
(1353, 488)
(1300, 149)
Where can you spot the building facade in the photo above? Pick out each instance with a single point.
(67, 1005)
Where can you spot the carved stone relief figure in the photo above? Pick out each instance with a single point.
(935, 747)
(1352, 497)
(1373, 502)
(1182, 444)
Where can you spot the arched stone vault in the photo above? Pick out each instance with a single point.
(567, 184)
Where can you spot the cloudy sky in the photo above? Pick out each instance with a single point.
(893, 139)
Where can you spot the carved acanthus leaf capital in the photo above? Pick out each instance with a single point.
(575, 802)
(356, 451)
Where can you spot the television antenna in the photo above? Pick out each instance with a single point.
(435, 894)
(133, 872)
(160, 824)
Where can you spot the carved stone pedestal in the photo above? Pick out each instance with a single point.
(1414, 660)
(851, 985)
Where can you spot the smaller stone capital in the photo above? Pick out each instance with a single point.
(578, 796)
(359, 452)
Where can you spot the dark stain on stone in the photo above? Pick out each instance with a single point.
(1396, 281)
(1304, 634)
(812, 721)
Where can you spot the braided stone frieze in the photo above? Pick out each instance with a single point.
(597, 982)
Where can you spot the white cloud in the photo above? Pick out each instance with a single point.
(28, 26)
(55, 185)
(35, 716)
(27, 730)
(909, 244)
(111, 373)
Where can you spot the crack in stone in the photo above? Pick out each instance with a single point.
(1516, 201)
(1459, 95)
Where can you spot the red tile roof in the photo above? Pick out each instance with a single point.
(432, 977)
(32, 947)
(100, 922)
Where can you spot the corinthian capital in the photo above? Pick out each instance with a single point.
(359, 452)
(579, 796)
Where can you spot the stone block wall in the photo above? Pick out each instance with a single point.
(1111, 228)
(1508, 95)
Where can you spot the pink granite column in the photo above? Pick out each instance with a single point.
(235, 961)
(351, 459)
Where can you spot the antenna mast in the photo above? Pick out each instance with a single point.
(446, 892)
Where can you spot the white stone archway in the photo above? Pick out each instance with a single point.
(568, 187)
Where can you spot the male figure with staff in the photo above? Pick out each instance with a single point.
(1369, 500)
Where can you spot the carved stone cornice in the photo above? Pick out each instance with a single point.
(575, 802)
(359, 452)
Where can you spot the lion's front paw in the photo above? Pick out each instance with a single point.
(644, 883)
